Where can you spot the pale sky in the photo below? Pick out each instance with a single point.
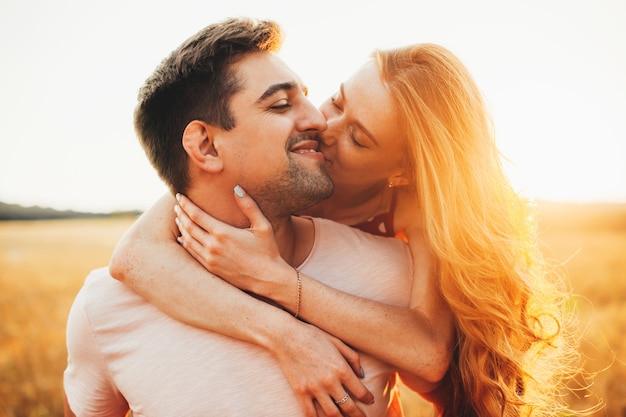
(553, 74)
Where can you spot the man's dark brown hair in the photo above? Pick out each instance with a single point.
(196, 82)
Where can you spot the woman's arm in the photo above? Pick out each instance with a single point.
(418, 339)
(149, 259)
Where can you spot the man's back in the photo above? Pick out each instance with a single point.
(163, 367)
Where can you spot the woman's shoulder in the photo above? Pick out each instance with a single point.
(331, 233)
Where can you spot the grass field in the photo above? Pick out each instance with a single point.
(43, 264)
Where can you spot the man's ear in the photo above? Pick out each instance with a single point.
(198, 143)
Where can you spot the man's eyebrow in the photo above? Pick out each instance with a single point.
(272, 89)
(357, 122)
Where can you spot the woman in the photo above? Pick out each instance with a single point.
(409, 142)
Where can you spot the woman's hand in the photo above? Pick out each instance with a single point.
(247, 258)
(321, 368)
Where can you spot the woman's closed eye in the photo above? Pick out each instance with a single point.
(336, 101)
(355, 141)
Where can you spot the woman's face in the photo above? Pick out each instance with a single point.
(363, 144)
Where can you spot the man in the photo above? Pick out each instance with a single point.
(242, 118)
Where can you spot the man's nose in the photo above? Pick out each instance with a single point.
(312, 119)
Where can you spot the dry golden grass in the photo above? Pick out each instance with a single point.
(43, 264)
(590, 241)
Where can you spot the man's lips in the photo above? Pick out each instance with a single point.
(305, 147)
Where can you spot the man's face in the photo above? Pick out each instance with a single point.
(273, 149)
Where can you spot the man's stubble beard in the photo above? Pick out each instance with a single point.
(293, 191)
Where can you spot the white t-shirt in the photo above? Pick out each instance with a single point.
(125, 353)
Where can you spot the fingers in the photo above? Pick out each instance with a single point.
(251, 210)
(186, 240)
(358, 391)
(350, 355)
(348, 406)
(332, 409)
(352, 381)
(194, 234)
(308, 407)
(200, 231)
(258, 222)
(344, 405)
(197, 215)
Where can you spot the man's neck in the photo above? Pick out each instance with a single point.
(294, 236)
(219, 202)
(352, 206)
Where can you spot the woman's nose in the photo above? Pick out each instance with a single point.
(327, 137)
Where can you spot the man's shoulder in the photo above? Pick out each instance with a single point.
(370, 266)
(332, 236)
(98, 274)
(100, 281)
(102, 294)
(330, 227)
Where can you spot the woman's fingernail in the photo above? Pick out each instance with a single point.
(239, 191)
(362, 372)
(177, 209)
(178, 197)
(179, 239)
